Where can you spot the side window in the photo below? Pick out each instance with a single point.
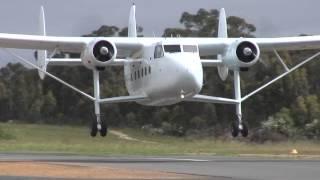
(145, 71)
(158, 52)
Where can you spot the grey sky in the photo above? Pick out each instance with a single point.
(76, 17)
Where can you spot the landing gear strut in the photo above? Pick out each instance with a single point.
(98, 125)
(238, 126)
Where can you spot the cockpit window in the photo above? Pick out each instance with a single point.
(172, 48)
(158, 51)
(190, 48)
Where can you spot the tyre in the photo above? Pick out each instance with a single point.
(235, 129)
(94, 129)
(104, 129)
(244, 131)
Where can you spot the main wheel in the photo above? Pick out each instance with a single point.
(235, 129)
(104, 129)
(94, 129)
(244, 131)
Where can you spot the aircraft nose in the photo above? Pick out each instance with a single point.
(190, 75)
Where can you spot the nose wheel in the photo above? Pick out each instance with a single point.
(239, 128)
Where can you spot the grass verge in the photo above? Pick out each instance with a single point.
(76, 140)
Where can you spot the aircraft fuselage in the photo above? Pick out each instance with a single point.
(165, 74)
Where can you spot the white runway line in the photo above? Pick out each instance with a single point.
(176, 159)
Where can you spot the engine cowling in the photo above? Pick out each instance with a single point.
(241, 54)
(98, 54)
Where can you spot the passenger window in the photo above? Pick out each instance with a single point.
(158, 52)
(135, 75)
(142, 73)
(149, 69)
(145, 71)
(138, 74)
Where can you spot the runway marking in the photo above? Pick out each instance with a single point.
(177, 159)
(124, 136)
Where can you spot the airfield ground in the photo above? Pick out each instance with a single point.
(44, 151)
(76, 140)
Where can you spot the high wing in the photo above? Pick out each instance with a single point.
(214, 46)
(125, 46)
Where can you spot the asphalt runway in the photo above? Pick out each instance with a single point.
(199, 167)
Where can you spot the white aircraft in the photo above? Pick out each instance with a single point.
(159, 71)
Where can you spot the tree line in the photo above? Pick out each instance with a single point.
(289, 108)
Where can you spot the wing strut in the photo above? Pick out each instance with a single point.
(288, 71)
(239, 126)
(98, 125)
(24, 61)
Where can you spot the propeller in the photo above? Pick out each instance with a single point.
(103, 51)
(246, 52)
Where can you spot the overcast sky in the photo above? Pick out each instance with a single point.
(76, 17)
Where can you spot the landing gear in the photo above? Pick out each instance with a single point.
(104, 129)
(100, 127)
(94, 129)
(237, 128)
(244, 131)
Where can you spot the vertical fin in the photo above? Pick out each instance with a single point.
(42, 22)
(222, 33)
(223, 26)
(132, 27)
(42, 54)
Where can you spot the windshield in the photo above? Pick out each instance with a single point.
(190, 48)
(172, 48)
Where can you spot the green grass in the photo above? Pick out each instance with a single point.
(76, 140)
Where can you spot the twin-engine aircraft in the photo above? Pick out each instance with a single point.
(159, 71)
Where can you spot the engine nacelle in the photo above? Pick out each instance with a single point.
(98, 54)
(241, 54)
